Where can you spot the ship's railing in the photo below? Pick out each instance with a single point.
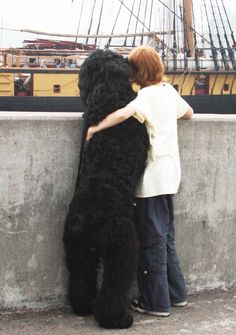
(204, 63)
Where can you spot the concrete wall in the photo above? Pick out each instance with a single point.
(206, 202)
(39, 158)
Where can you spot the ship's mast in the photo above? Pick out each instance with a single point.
(188, 10)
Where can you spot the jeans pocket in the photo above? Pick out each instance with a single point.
(153, 254)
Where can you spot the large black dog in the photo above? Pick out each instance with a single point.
(100, 222)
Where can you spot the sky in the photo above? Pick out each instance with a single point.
(59, 16)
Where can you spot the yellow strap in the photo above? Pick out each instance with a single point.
(139, 117)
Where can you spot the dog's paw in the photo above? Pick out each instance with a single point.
(123, 322)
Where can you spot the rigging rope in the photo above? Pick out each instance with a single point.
(91, 20)
(125, 41)
(144, 26)
(174, 40)
(192, 28)
(213, 48)
(232, 33)
(99, 21)
(109, 41)
(182, 13)
(145, 12)
(163, 55)
(150, 18)
(222, 50)
(230, 51)
(80, 16)
(178, 28)
(150, 32)
(196, 56)
(133, 44)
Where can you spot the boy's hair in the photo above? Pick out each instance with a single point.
(147, 66)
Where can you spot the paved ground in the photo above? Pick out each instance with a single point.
(207, 313)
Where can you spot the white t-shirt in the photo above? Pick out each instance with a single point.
(159, 106)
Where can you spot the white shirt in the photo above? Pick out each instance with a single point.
(159, 106)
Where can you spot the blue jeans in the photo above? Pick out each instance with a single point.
(160, 279)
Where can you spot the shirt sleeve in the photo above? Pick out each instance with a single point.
(182, 105)
(138, 105)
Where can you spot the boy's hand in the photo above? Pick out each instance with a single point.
(90, 134)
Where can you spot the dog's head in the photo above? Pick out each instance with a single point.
(104, 84)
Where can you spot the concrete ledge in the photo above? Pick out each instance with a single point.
(213, 117)
(36, 116)
(39, 157)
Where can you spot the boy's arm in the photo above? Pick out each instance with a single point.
(111, 120)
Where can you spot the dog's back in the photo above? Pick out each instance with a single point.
(121, 151)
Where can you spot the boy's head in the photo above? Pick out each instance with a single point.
(147, 66)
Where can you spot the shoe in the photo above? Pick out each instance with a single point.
(136, 305)
(179, 304)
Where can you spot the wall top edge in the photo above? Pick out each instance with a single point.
(6, 115)
(214, 117)
(63, 116)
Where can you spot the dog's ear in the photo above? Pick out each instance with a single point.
(131, 69)
(126, 60)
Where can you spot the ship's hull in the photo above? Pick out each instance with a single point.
(209, 104)
(43, 104)
(56, 90)
(212, 104)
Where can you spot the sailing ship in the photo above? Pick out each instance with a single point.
(194, 38)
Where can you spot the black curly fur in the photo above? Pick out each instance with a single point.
(100, 223)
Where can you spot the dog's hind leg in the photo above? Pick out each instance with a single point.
(111, 304)
(83, 284)
(81, 261)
